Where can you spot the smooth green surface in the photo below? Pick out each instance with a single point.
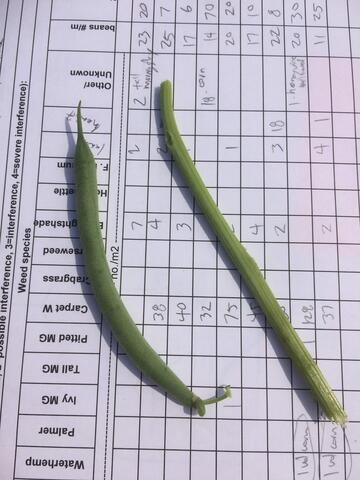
(246, 265)
(108, 300)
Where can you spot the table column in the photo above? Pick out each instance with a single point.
(139, 424)
(254, 382)
(61, 361)
(23, 76)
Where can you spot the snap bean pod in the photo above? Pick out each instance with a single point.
(107, 298)
(246, 265)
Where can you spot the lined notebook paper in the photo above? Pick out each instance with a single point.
(267, 98)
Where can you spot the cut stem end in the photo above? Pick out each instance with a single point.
(199, 404)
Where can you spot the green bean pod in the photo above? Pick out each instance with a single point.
(123, 327)
(247, 266)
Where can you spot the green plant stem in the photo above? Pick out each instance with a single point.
(226, 394)
(247, 266)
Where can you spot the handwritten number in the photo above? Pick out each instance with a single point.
(139, 102)
(326, 313)
(229, 309)
(250, 36)
(167, 39)
(163, 9)
(133, 223)
(158, 309)
(205, 311)
(187, 9)
(229, 39)
(250, 9)
(183, 225)
(134, 150)
(182, 307)
(277, 125)
(308, 313)
(208, 11)
(276, 145)
(143, 37)
(154, 224)
(162, 150)
(275, 33)
(297, 42)
(297, 14)
(275, 13)
(188, 39)
(326, 228)
(230, 10)
(317, 11)
(144, 12)
(208, 101)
